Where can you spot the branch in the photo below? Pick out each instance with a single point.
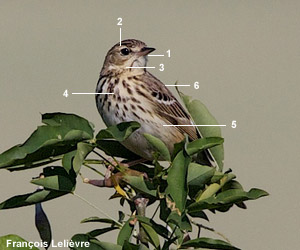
(141, 204)
(210, 229)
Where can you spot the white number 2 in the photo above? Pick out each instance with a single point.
(120, 21)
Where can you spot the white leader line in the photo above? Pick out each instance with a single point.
(156, 55)
(140, 67)
(92, 93)
(182, 85)
(120, 36)
(171, 125)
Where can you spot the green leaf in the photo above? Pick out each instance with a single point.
(42, 224)
(30, 198)
(159, 146)
(100, 231)
(199, 175)
(6, 243)
(125, 232)
(116, 149)
(199, 214)
(67, 162)
(213, 188)
(80, 240)
(161, 230)
(119, 132)
(177, 180)
(152, 235)
(83, 149)
(59, 136)
(56, 178)
(105, 245)
(182, 221)
(73, 121)
(202, 116)
(209, 243)
(203, 143)
(138, 183)
(130, 246)
(97, 219)
(226, 198)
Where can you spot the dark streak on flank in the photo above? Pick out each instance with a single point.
(141, 93)
(141, 108)
(124, 84)
(125, 107)
(137, 116)
(129, 91)
(135, 100)
(132, 106)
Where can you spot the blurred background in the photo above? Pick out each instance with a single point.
(244, 54)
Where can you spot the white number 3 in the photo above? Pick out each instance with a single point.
(161, 67)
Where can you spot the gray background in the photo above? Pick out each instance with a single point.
(245, 54)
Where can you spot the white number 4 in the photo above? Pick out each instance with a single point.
(233, 124)
(65, 94)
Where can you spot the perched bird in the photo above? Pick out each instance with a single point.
(140, 96)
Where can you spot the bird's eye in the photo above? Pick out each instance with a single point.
(125, 51)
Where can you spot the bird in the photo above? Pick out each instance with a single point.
(137, 95)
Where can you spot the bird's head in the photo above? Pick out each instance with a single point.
(131, 53)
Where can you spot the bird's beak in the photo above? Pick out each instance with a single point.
(145, 51)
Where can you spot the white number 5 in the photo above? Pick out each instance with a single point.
(233, 124)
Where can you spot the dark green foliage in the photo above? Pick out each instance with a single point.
(184, 190)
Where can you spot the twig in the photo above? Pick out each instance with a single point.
(93, 161)
(94, 169)
(141, 204)
(97, 208)
(155, 211)
(170, 238)
(101, 156)
(210, 229)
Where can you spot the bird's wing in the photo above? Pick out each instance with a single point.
(169, 108)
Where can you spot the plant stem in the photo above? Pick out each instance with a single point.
(210, 229)
(97, 208)
(94, 169)
(141, 204)
(155, 212)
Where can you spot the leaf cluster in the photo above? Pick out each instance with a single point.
(183, 190)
